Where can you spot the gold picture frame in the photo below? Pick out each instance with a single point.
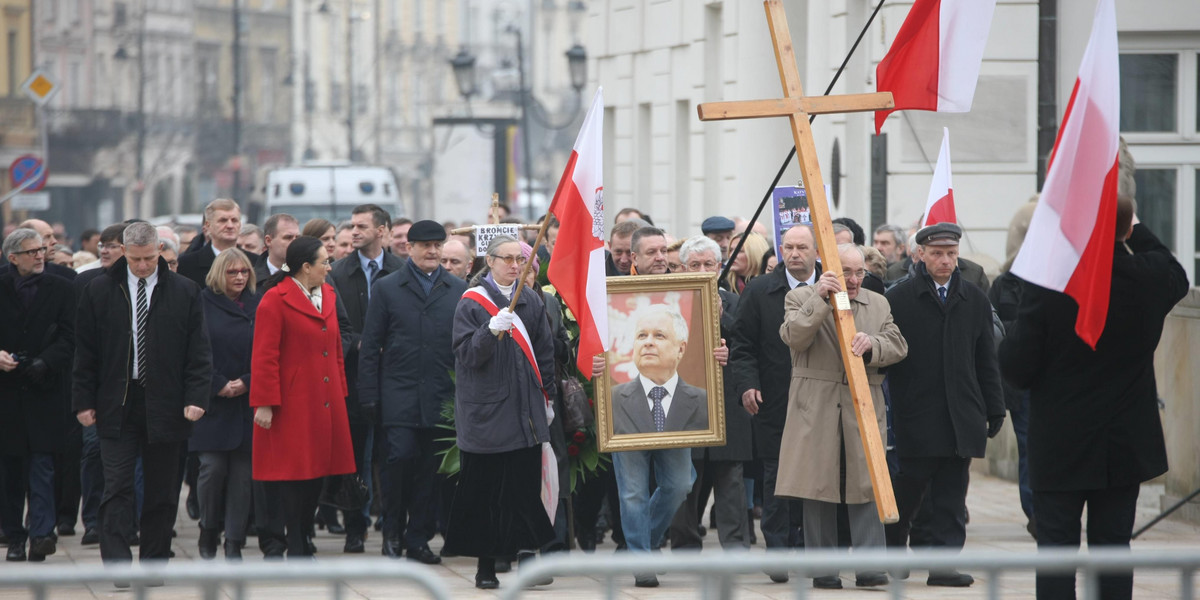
(635, 304)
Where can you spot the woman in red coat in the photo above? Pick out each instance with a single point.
(302, 433)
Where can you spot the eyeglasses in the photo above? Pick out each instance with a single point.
(707, 266)
(324, 263)
(508, 260)
(237, 272)
(859, 274)
(34, 252)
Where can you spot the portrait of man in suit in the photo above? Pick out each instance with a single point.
(657, 400)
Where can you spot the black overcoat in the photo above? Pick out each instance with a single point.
(350, 282)
(406, 361)
(179, 360)
(945, 391)
(32, 414)
(229, 421)
(1093, 415)
(739, 442)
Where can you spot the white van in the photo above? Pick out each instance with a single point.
(329, 190)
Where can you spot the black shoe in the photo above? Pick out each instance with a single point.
(1031, 527)
(336, 528)
(3, 539)
(65, 529)
(778, 576)
(523, 559)
(750, 526)
(587, 543)
(503, 566)
(424, 555)
(40, 548)
(90, 537)
(950, 579)
(392, 549)
(646, 580)
(208, 543)
(135, 539)
(870, 579)
(379, 524)
(486, 582)
(355, 544)
(828, 582)
(312, 546)
(233, 551)
(16, 552)
(121, 585)
(193, 505)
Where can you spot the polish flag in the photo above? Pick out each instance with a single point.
(577, 266)
(939, 208)
(933, 63)
(1069, 245)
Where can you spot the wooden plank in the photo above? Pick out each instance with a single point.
(786, 107)
(847, 103)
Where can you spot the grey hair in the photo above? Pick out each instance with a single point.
(251, 229)
(896, 231)
(844, 248)
(168, 244)
(140, 234)
(681, 325)
(698, 243)
(344, 225)
(13, 242)
(912, 243)
(839, 227)
(498, 241)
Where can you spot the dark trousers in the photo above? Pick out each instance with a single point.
(354, 520)
(160, 467)
(269, 523)
(298, 504)
(781, 516)
(409, 478)
(726, 481)
(1110, 514)
(945, 479)
(1020, 425)
(91, 479)
(32, 475)
(223, 491)
(66, 474)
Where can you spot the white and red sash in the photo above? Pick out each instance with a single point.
(550, 485)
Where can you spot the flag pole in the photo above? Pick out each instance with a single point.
(512, 306)
(792, 153)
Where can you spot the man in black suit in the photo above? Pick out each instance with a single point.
(223, 221)
(36, 338)
(1094, 428)
(142, 374)
(49, 241)
(352, 278)
(279, 231)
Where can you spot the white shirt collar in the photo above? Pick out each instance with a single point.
(271, 268)
(793, 282)
(215, 251)
(132, 279)
(648, 385)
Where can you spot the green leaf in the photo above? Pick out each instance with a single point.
(450, 462)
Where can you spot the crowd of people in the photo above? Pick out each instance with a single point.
(298, 376)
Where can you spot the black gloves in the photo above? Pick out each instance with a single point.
(33, 369)
(994, 425)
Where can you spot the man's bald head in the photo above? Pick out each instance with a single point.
(43, 229)
(456, 258)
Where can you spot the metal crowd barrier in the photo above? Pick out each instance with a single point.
(212, 578)
(717, 571)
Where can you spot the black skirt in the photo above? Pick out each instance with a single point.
(497, 508)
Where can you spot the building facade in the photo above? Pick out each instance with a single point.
(19, 134)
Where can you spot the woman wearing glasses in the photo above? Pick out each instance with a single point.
(302, 433)
(501, 417)
(222, 438)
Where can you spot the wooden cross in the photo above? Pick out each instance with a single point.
(797, 108)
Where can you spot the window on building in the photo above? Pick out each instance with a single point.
(119, 14)
(10, 51)
(1156, 202)
(335, 97)
(267, 83)
(1149, 92)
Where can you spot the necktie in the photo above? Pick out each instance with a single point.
(372, 271)
(143, 310)
(942, 293)
(657, 393)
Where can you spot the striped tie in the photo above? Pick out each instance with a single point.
(143, 310)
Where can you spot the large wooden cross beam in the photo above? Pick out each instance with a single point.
(797, 108)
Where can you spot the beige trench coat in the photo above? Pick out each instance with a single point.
(819, 398)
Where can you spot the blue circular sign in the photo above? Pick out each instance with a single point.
(25, 168)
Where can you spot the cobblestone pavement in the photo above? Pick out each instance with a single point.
(997, 523)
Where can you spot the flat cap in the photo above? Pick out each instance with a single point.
(427, 231)
(942, 234)
(716, 225)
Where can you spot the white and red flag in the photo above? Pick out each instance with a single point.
(1069, 245)
(934, 62)
(939, 208)
(577, 267)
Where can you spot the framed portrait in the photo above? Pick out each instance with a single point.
(661, 387)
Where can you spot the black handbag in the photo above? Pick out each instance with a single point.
(344, 492)
(577, 411)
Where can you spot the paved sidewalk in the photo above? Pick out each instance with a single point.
(997, 523)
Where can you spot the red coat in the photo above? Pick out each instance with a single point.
(298, 370)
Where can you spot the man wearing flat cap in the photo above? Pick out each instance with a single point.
(946, 395)
(720, 230)
(353, 277)
(404, 370)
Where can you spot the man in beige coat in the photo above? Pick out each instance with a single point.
(820, 438)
